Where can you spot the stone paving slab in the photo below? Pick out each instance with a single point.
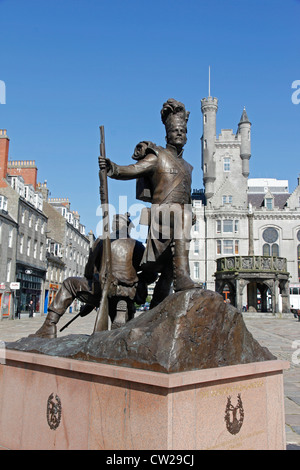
(280, 335)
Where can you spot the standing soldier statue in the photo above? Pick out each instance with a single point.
(164, 179)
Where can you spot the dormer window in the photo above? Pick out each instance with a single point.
(269, 203)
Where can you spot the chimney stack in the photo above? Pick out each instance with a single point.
(4, 147)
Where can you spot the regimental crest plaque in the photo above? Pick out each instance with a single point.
(234, 415)
(53, 411)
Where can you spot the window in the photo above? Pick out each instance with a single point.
(270, 236)
(227, 199)
(41, 251)
(63, 211)
(10, 237)
(226, 164)
(196, 270)
(23, 216)
(3, 203)
(35, 249)
(30, 220)
(21, 243)
(269, 203)
(28, 246)
(196, 247)
(8, 270)
(228, 247)
(227, 226)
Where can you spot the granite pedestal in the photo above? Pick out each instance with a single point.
(51, 402)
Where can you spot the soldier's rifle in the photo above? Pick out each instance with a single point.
(84, 310)
(106, 268)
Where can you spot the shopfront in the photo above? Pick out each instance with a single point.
(31, 288)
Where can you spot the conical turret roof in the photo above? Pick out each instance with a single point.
(244, 116)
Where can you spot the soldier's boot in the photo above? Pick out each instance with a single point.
(181, 274)
(48, 329)
(59, 305)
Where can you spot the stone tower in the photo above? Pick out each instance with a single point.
(225, 159)
(244, 129)
(209, 108)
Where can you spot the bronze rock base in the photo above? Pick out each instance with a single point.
(189, 330)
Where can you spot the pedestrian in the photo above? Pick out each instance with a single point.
(294, 311)
(31, 308)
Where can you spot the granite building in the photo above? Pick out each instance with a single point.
(8, 236)
(42, 241)
(246, 239)
(23, 250)
(68, 245)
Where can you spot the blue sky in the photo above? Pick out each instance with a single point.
(70, 66)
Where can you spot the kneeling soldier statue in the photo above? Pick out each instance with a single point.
(128, 284)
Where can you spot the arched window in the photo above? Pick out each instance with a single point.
(270, 236)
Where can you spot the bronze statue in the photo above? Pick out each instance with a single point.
(173, 337)
(128, 283)
(164, 179)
